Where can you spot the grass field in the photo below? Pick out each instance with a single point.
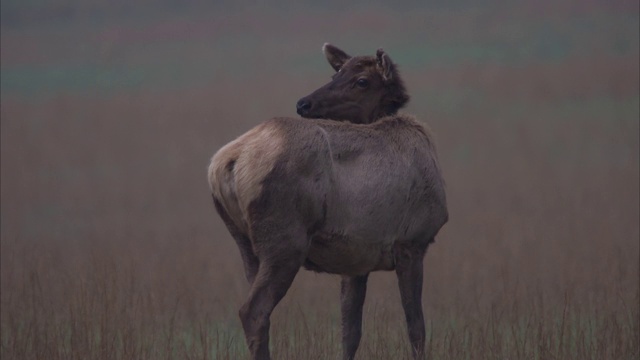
(110, 247)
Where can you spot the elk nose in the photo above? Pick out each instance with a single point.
(303, 106)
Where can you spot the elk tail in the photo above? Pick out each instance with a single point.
(222, 181)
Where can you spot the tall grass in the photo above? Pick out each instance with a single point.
(104, 311)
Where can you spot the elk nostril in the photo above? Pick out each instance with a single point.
(303, 106)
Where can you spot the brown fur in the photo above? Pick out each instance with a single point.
(337, 197)
(240, 172)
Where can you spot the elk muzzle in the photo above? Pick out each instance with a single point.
(303, 106)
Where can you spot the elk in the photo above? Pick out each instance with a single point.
(352, 188)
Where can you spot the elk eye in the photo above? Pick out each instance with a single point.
(362, 83)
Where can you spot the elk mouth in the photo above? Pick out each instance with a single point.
(307, 110)
(348, 111)
(303, 107)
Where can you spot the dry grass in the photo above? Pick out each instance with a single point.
(111, 249)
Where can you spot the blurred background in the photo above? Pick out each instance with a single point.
(111, 111)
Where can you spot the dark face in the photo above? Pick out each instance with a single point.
(363, 89)
(353, 94)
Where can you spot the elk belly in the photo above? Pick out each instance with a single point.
(345, 255)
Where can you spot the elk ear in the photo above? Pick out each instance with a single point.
(385, 66)
(335, 56)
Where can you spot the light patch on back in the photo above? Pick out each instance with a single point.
(237, 170)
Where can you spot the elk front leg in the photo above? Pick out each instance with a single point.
(352, 293)
(409, 272)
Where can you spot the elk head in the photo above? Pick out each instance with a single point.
(363, 89)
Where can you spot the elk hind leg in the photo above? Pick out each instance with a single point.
(249, 258)
(278, 267)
